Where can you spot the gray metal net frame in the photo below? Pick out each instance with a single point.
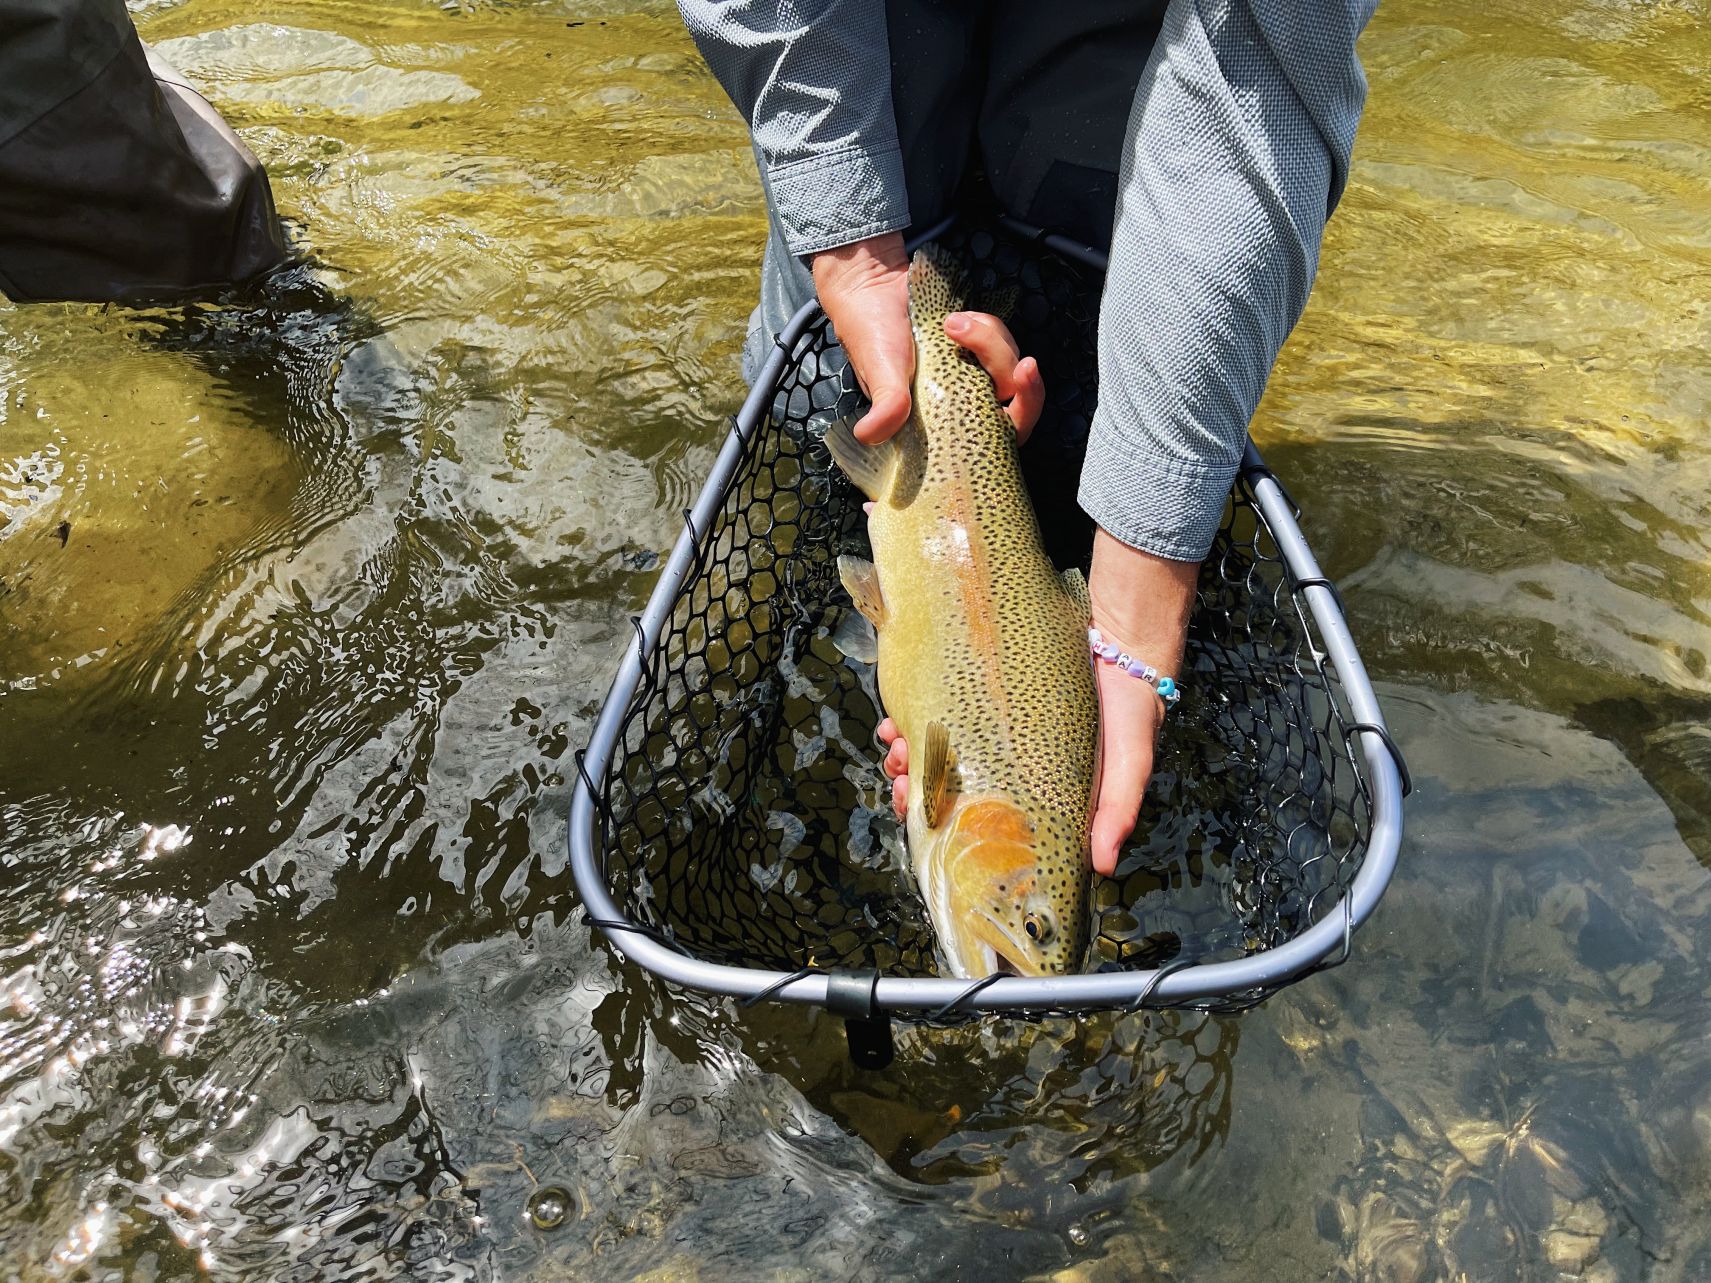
(730, 830)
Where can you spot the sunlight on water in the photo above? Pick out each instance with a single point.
(306, 599)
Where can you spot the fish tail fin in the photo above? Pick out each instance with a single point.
(940, 283)
(938, 286)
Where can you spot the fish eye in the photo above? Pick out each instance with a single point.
(1039, 926)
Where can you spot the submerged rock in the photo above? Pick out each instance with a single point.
(127, 478)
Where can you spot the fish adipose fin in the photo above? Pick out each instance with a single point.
(932, 774)
(870, 467)
(1075, 584)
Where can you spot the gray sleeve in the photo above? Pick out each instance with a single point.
(813, 79)
(1237, 149)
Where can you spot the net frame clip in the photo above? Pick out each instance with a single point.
(850, 994)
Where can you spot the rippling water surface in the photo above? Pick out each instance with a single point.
(305, 601)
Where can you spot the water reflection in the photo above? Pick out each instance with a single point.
(346, 1022)
(1063, 1096)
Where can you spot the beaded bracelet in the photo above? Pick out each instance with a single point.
(1108, 651)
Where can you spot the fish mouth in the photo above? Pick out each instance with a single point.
(1002, 949)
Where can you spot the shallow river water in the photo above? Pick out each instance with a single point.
(305, 603)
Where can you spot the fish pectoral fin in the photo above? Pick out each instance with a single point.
(1075, 584)
(870, 467)
(861, 582)
(855, 637)
(931, 772)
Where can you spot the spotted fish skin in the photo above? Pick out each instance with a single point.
(979, 635)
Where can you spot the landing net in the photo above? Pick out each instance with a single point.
(732, 829)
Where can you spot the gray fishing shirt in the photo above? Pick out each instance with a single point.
(1236, 150)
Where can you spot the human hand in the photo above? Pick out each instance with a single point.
(864, 289)
(1142, 603)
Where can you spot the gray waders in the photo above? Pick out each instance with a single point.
(117, 180)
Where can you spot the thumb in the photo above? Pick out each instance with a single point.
(1125, 765)
(889, 412)
(886, 368)
(864, 287)
(1112, 825)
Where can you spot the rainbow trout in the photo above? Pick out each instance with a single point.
(983, 661)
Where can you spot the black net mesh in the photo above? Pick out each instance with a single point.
(744, 815)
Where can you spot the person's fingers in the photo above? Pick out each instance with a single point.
(1128, 719)
(1030, 399)
(896, 760)
(895, 765)
(1015, 378)
(867, 508)
(992, 344)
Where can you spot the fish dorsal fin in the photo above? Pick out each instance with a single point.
(1075, 584)
(861, 582)
(870, 467)
(931, 773)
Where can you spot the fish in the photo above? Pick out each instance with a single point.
(983, 658)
